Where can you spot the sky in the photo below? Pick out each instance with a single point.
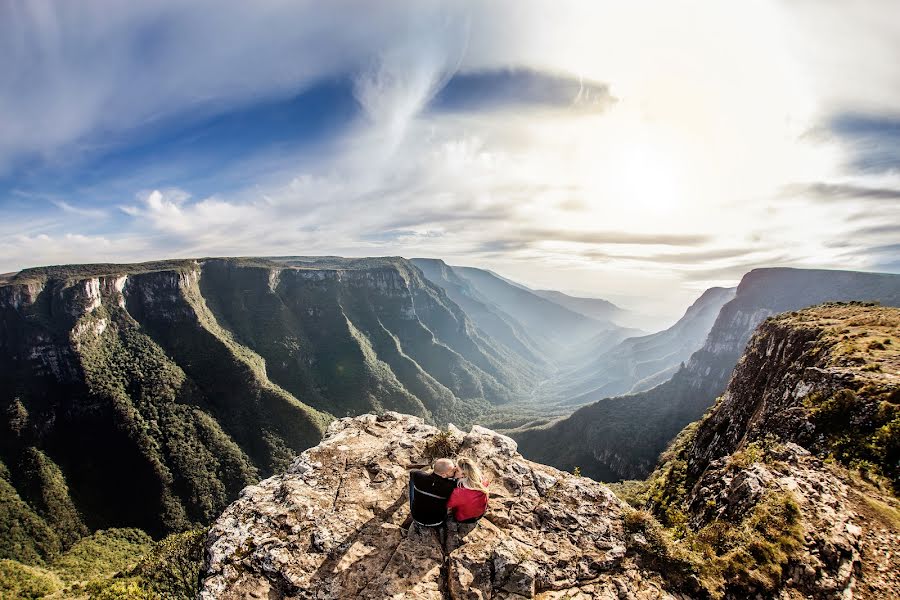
(636, 151)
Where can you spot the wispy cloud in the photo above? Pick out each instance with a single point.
(845, 191)
(645, 148)
(92, 213)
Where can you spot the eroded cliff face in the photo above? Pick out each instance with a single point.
(787, 487)
(336, 525)
(151, 394)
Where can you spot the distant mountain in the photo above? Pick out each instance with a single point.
(595, 308)
(621, 437)
(489, 317)
(557, 328)
(149, 395)
(639, 363)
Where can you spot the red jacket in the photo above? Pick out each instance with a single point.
(467, 504)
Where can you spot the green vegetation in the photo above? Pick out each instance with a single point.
(667, 487)
(24, 535)
(634, 429)
(861, 428)
(752, 554)
(172, 568)
(19, 581)
(674, 561)
(724, 553)
(740, 558)
(759, 450)
(101, 555)
(114, 564)
(360, 341)
(197, 465)
(86, 271)
(632, 491)
(152, 405)
(43, 482)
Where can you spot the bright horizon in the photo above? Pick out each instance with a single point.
(641, 151)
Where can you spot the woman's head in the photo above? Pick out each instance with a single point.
(470, 475)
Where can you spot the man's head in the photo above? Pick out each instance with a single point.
(444, 467)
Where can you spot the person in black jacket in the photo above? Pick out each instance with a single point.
(429, 492)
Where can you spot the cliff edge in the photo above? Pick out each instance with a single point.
(336, 525)
(787, 488)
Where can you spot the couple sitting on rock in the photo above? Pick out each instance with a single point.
(458, 488)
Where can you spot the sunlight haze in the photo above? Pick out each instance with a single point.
(641, 151)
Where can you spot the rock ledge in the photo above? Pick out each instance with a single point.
(335, 525)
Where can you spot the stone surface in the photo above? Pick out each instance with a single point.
(336, 525)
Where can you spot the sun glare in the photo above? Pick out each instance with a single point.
(633, 173)
(644, 177)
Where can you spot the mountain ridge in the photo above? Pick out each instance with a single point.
(622, 437)
(637, 361)
(191, 378)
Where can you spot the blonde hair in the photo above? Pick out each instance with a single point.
(472, 477)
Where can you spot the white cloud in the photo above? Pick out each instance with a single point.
(713, 101)
(92, 213)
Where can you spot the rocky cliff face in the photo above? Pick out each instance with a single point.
(622, 437)
(557, 329)
(336, 525)
(789, 484)
(489, 317)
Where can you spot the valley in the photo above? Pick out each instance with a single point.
(145, 397)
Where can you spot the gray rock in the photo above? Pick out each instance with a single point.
(336, 526)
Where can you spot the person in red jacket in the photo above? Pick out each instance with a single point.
(468, 502)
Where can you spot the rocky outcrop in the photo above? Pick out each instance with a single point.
(336, 525)
(787, 486)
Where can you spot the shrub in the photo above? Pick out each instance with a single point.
(172, 568)
(861, 429)
(125, 588)
(102, 554)
(632, 491)
(441, 445)
(672, 560)
(762, 547)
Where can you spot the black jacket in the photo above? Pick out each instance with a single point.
(428, 495)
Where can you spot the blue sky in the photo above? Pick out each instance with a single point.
(640, 152)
